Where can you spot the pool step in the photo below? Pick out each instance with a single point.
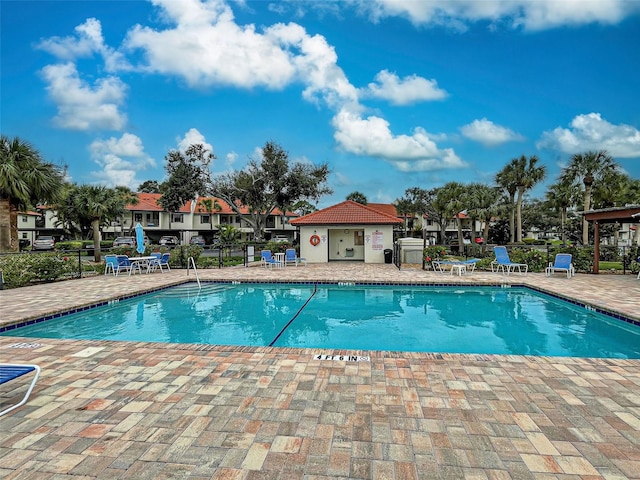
(191, 289)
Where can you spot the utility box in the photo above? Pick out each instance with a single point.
(348, 252)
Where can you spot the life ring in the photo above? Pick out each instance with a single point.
(314, 240)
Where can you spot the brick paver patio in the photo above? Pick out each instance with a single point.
(141, 410)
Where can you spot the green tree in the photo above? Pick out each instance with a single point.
(188, 177)
(416, 201)
(483, 204)
(302, 207)
(506, 180)
(444, 206)
(210, 206)
(560, 196)
(358, 197)
(90, 207)
(405, 208)
(149, 186)
(588, 170)
(25, 181)
(228, 234)
(527, 175)
(270, 183)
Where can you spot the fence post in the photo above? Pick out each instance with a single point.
(80, 262)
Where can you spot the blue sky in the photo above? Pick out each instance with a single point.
(391, 94)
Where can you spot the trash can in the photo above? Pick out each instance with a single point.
(388, 255)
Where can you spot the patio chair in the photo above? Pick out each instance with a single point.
(504, 264)
(267, 260)
(291, 258)
(11, 371)
(161, 260)
(111, 264)
(124, 264)
(562, 263)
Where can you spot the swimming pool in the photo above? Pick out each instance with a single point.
(491, 320)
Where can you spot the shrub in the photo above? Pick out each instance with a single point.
(23, 269)
(433, 253)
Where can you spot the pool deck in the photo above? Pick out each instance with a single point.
(134, 410)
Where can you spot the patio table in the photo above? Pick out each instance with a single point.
(141, 262)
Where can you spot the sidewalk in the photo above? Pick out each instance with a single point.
(139, 410)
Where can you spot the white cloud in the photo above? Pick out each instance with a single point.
(371, 136)
(82, 106)
(592, 132)
(403, 91)
(488, 133)
(529, 14)
(230, 158)
(193, 137)
(206, 47)
(87, 41)
(120, 160)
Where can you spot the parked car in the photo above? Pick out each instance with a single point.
(44, 243)
(169, 241)
(124, 242)
(197, 240)
(280, 239)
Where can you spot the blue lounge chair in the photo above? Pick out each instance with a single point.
(291, 258)
(267, 260)
(460, 266)
(504, 264)
(562, 263)
(11, 371)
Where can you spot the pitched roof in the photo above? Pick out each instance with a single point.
(388, 208)
(148, 202)
(347, 213)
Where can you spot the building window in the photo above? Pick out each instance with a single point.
(24, 218)
(204, 219)
(177, 217)
(358, 237)
(24, 235)
(137, 217)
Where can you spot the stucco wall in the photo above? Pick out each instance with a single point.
(377, 238)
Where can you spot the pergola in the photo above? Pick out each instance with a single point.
(628, 214)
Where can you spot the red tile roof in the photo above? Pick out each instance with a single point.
(148, 202)
(347, 213)
(388, 208)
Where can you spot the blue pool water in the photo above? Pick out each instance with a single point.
(424, 319)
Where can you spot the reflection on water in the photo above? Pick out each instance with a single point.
(427, 319)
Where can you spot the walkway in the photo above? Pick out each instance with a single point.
(138, 410)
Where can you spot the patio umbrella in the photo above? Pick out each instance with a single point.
(139, 238)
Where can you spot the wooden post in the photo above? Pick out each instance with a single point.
(596, 246)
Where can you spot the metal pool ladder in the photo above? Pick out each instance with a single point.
(192, 262)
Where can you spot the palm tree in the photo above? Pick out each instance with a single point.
(101, 205)
(209, 205)
(25, 180)
(506, 180)
(588, 169)
(484, 204)
(527, 175)
(404, 207)
(560, 196)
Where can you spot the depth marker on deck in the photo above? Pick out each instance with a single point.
(342, 358)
